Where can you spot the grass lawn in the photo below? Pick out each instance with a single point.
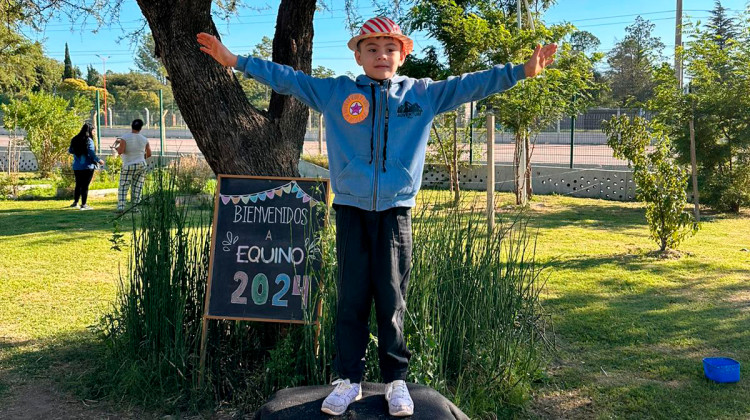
(630, 329)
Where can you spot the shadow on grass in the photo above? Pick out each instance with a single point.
(643, 263)
(64, 219)
(613, 217)
(637, 350)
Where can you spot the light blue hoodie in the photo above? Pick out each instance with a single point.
(376, 147)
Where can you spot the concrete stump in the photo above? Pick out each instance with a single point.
(304, 403)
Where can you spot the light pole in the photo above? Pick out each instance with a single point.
(104, 77)
(678, 43)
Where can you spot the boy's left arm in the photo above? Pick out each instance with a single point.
(456, 90)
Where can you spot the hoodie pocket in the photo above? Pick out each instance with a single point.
(395, 181)
(355, 179)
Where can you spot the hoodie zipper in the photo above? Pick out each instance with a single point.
(377, 148)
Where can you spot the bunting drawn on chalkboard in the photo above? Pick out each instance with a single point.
(289, 188)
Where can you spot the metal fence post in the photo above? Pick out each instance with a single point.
(572, 135)
(98, 122)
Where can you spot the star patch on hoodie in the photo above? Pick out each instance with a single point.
(355, 108)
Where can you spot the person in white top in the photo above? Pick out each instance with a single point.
(134, 149)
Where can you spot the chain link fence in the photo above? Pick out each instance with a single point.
(572, 142)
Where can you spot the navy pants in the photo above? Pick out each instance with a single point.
(374, 252)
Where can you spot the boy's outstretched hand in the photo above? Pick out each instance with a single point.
(542, 57)
(213, 47)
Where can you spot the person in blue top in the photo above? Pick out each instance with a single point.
(377, 128)
(85, 161)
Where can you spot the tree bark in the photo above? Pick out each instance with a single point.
(519, 164)
(235, 138)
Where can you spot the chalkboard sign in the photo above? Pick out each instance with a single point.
(265, 248)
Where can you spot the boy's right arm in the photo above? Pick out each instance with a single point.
(314, 92)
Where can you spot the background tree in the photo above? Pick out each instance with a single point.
(50, 122)
(566, 88)
(92, 76)
(68, 72)
(79, 92)
(429, 66)
(257, 93)
(323, 71)
(718, 103)
(234, 137)
(146, 61)
(660, 180)
(584, 41)
(135, 91)
(721, 26)
(631, 63)
(24, 67)
(478, 34)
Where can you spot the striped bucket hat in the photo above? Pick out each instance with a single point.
(381, 26)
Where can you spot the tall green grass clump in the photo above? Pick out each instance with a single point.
(153, 332)
(474, 323)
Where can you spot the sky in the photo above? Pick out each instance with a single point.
(604, 18)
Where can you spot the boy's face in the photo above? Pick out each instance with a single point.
(380, 57)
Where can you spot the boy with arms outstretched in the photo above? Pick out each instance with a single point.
(377, 127)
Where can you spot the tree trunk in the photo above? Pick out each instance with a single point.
(518, 165)
(235, 138)
(529, 188)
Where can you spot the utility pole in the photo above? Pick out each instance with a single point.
(678, 43)
(104, 78)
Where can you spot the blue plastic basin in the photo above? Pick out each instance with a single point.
(721, 369)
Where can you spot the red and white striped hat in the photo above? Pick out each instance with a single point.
(381, 26)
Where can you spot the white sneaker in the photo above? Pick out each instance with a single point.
(339, 399)
(399, 400)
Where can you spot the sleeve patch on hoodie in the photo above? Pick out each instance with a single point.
(355, 108)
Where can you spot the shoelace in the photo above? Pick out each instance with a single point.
(399, 389)
(341, 386)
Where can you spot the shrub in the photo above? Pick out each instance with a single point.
(113, 164)
(63, 175)
(8, 184)
(727, 189)
(191, 173)
(661, 182)
(50, 122)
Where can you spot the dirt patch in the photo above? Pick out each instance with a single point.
(667, 254)
(40, 400)
(563, 405)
